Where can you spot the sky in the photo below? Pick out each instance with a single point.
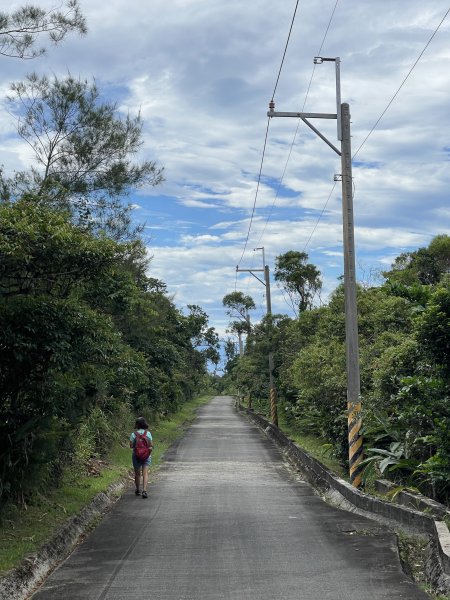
(202, 72)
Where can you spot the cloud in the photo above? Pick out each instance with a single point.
(199, 239)
(201, 75)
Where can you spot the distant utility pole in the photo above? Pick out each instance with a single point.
(342, 115)
(266, 284)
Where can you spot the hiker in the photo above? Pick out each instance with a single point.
(142, 445)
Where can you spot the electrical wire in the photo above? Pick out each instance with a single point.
(285, 50)
(320, 216)
(319, 52)
(402, 84)
(267, 129)
(256, 193)
(298, 126)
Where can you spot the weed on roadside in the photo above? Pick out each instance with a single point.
(24, 529)
(413, 556)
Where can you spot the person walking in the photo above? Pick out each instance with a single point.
(141, 442)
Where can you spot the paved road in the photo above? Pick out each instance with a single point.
(227, 520)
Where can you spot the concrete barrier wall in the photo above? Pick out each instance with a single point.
(413, 500)
(438, 567)
(19, 583)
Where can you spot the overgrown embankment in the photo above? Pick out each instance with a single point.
(25, 528)
(404, 344)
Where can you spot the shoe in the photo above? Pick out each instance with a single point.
(137, 492)
(144, 494)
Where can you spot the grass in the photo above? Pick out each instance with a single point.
(24, 529)
(413, 553)
(317, 447)
(314, 445)
(412, 549)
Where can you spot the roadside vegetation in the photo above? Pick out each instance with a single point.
(25, 528)
(88, 338)
(404, 332)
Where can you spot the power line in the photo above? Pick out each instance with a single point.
(256, 193)
(267, 129)
(319, 51)
(298, 125)
(402, 84)
(320, 216)
(285, 50)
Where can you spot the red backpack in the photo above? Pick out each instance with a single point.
(142, 448)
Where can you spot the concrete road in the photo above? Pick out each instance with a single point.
(227, 520)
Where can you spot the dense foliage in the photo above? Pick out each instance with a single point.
(87, 338)
(83, 151)
(84, 334)
(404, 333)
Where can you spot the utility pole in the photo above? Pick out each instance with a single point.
(266, 283)
(355, 440)
(342, 116)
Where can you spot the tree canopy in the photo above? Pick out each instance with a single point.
(21, 28)
(300, 280)
(83, 151)
(83, 332)
(404, 340)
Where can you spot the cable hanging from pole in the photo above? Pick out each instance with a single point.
(296, 131)
(285, 50)
(401, 85)
(320, 216)
(256, 193)
(267, 130)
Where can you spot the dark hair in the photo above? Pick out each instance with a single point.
(141, 423)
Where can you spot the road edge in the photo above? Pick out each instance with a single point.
(345, 496)
(21, 581)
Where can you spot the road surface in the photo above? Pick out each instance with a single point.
(226, 519)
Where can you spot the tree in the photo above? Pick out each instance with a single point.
(84, 336)
(41, 253)
(424, 266)
(230, 353)
(434, 326)
(301, 280)
(59, 357)
(83, 151)
(202, 336)
(239, 328)
(20, 29)
(239, 305)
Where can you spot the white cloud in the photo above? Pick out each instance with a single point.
(202, 73)
(199, 239)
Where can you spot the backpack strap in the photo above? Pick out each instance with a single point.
(141, 435)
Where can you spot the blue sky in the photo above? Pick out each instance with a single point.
(202, 72)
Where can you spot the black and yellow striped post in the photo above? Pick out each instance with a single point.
(355, 443)
(273, 406)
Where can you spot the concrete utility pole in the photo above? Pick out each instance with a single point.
(355, 440)
(266, 283)
(342, 116)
